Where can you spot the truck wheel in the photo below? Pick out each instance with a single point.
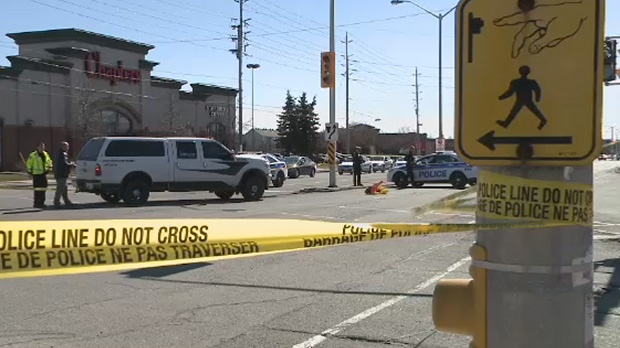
(136, 192)
(111, 197)
(458, 180)
(253, 188)
(224, 195)
(279, 181)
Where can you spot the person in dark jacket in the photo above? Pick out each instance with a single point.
(62, 169)
(410, 159)
(357, 167)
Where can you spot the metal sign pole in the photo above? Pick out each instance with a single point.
(534, 142)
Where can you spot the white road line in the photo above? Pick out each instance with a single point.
(318, 339)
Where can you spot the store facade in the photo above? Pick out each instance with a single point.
(72, 85)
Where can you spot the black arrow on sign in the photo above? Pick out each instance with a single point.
(490, 140)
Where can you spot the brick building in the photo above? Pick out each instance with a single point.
(71, 84)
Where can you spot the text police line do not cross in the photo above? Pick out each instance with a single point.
(44, 248)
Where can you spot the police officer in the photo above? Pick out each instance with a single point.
(357, 167)
(38, 165)
(62, 169)
(410, 159)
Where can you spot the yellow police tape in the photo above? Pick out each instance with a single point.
(505, 197)
(40, 248)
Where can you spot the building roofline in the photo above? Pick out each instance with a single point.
(203, 88)
(80, 35)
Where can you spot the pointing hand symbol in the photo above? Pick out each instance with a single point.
(546, 26)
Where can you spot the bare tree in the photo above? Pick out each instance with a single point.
(86, 123)
(172, 121)
(404, 130)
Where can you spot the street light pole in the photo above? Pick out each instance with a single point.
(253, 67)
(440, 18)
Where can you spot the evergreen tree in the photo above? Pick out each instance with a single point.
(308, 125)
(288, 124)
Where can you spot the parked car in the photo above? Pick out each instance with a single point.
(438, 168)
(130, 168)
(380, 163)
(300, 165)
(347, 165)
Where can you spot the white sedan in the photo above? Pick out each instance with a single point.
(347, 166)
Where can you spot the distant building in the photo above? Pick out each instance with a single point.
(265, 140)
(372, 141)
(71, 84)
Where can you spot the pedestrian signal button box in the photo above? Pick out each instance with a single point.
(529, 80)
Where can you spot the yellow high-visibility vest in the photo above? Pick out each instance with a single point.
(35, 165)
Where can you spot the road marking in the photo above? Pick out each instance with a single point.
(318, 339)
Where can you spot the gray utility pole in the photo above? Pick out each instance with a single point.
(417, 113)
(347, 75)
(332, 90)
(240, 52)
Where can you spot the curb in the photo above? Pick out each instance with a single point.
(329, 189)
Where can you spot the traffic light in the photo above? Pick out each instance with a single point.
(459, 305)
(611, 49)
(328, 69)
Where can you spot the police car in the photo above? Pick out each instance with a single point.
(277, 168)
(437, 168)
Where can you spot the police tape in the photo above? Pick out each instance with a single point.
(504, 197)
(449, 203)
(512, 198)
(43, 248)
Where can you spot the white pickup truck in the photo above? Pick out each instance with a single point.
(130, 168)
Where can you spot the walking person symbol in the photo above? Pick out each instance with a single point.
(523, 87)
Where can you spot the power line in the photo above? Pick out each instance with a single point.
(150, 16)
(108, 22)
(309, 29)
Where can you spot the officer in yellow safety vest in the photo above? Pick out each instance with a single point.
(39, 164)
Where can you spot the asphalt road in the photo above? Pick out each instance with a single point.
(362, 295)
(13, 201)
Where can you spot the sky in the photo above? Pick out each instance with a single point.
(192, 39)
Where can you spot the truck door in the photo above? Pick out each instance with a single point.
(188, 169)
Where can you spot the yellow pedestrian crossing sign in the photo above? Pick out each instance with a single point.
(529, 81)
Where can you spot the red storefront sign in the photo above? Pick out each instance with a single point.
(95, 69)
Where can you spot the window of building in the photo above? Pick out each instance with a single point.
(114, 122)
(135, 148)
(187, 150)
